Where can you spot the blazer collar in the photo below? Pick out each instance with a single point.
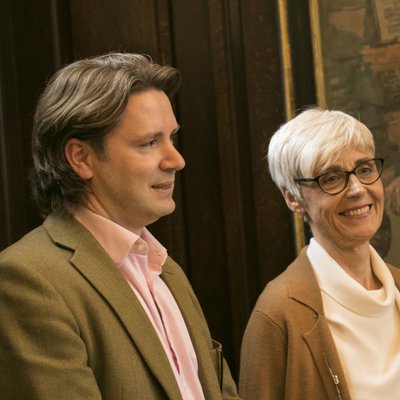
(308, 292)
(90, 259)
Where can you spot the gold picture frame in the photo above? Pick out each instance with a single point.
(298, 223)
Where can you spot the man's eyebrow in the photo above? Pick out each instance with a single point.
(159, 134)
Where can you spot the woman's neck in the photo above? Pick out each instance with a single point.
(356, 261)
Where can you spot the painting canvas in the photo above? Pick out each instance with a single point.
(356, 65)
(356, 48)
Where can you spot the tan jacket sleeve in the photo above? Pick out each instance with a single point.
(263, 359)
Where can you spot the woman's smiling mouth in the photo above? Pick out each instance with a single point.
(356, 212)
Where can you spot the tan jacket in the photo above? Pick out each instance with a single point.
(288, 351)
(71, 328)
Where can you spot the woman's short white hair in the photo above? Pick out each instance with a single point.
(312, 141)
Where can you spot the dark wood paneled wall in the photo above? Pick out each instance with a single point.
(231, 231)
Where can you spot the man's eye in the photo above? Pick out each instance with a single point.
(150, 143)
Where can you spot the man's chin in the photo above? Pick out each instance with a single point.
(166, 210)
(169, 210)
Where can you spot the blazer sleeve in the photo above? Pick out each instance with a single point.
(229, 390)
(226, 381)
(41, 353)
(263, 359)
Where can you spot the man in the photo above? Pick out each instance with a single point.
(91, 306)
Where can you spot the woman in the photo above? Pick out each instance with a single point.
(329, 326)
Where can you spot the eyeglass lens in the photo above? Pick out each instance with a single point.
(335, 181)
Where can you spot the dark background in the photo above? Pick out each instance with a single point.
(231, 232)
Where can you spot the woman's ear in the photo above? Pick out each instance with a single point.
(78, 154)
(292, 202)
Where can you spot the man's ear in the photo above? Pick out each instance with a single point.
(292, 202)
(78, 155)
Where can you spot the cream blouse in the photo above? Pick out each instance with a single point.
(365, 325)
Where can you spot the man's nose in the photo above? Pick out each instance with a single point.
(173, 159)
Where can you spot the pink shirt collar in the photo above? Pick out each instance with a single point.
(118, 241)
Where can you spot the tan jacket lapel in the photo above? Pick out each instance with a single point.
(318, 337)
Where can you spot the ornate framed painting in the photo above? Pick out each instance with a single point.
(356, 68)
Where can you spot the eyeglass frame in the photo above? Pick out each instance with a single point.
(348, 173)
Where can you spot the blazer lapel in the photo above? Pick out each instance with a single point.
(198, 330)
(318, 337)
(98, 268)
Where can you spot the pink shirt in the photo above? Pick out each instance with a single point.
(140, 259)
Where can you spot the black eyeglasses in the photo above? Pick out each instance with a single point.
(334, 182)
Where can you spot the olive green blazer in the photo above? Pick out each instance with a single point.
(72, 328)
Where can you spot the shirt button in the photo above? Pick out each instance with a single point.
(140, 247)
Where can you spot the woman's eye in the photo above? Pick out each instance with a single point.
(364, 170)
(331, 178)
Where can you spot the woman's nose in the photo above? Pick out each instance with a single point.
(354, 186)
